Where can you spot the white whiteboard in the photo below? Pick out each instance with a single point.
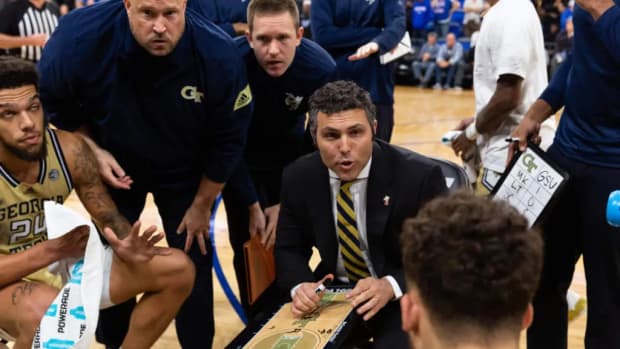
(529, 183)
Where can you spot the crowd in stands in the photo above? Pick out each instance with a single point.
(430, 21)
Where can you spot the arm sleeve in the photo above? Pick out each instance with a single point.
(228, 28)
(555, 91)
(458, 54)
(56, 82)
(432, 186)
(440, 53)
(229, 117)
(327, 34)
(240, 184)
(395, 287)
(423, 50)
(607, 27)
(512, 55)
(292, 249)
(433, 51)
(395, 25)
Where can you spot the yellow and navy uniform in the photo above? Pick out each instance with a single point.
(22, 220)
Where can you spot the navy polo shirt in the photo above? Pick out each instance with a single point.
(280, 106)
(587, 85)
(162, 117)
(341, 26)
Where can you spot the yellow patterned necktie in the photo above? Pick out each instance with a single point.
(349, 236)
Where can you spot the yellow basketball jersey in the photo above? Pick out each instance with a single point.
(22, 220)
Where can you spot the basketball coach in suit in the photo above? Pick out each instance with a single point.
(349, 200)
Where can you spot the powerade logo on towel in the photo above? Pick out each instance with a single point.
(76, 272)
(65, 314)
(70, 321)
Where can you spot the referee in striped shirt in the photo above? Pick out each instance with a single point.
(25, 26)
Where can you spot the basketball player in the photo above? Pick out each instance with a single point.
(464, 289)
(38, 164)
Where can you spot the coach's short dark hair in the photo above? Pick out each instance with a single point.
(16, 72)
(272, 7)
(474, 262)
(338, 96)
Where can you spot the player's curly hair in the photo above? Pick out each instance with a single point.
(474, 262)
(339, 96)
(16, 72)
(272, 7)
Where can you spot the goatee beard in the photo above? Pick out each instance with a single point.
(28, 156)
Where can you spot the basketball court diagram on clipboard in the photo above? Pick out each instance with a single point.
(530, 183)
(315, 330)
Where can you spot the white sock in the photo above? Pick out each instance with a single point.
(572, 298)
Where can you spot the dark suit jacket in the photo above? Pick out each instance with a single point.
(306, 217)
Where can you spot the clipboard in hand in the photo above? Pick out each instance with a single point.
(530, 183)
(402, 48)
(260, 269)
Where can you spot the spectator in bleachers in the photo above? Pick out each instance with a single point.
(442, 12)
(550, 18)
(448, 61)
(425, 60)
(421, 18)
(304, 16)
(566, 13)
(65, 6)
(473, 10)
(466, 66)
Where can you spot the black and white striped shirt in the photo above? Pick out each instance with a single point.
(22, 18)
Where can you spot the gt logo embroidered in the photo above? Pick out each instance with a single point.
(191, 93)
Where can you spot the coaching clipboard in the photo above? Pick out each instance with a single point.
(327, 327)
(530, 183)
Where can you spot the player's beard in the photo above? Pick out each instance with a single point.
(37, 155)
(30, 156)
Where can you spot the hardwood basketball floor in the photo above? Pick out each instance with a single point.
(422, 116)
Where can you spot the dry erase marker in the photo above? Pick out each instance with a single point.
(513, 139)
(319, 289)
(450, 136)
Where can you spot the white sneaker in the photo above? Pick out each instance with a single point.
(576, 304)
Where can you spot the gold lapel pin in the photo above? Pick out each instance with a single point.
(386, 200)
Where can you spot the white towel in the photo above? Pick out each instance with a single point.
(71, 320)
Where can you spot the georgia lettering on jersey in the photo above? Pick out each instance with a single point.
(26, 224)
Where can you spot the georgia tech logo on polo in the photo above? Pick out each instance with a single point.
(292, 102)
(191, 93)
(243, 98)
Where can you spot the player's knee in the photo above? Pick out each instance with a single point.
(32, 308)
(182, 271)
